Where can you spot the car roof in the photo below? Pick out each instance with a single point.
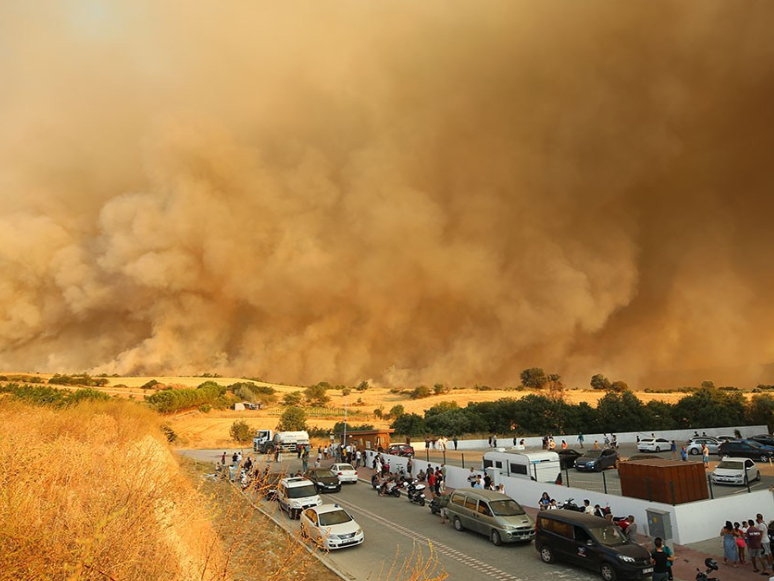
(573, 516)
(323, 508)
(485, 494)
(734, 459)
(343, 464)
(296, 481)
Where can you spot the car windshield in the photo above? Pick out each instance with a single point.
(729, 465)
(506, 507)
(344, 467)
(610, 536)
(335, 517)
(302, 491)
(592, 454)
(324, 474)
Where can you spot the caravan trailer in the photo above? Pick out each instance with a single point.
(539, 466)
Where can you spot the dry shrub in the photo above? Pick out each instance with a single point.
(93, 492)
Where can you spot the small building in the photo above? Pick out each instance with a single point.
(240, 407)
(367, 439)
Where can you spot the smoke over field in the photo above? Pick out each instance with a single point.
(400, 191)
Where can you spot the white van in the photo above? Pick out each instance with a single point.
(539, 466)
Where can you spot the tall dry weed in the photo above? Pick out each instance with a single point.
(93, 493)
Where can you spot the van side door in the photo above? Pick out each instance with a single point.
(486, 519)
(470, 514)
(586, 549)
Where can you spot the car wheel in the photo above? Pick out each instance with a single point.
(458, 524)
(658, 448)
(608, 572)
(495, 538)
(546, 554)
(694, 452)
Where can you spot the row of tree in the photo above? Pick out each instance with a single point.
(616, 412)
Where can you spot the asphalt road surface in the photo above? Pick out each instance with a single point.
(396, 530)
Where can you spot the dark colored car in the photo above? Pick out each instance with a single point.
(567, 457)
(590, 542)
(746, 449)
(400, 450)
(324, 480)
(597, 460)
(763, 439)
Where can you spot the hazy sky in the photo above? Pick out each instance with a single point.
(397, 191)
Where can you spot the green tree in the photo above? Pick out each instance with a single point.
(292, 419)
(440, 408)
(760, 410)
(421, 392)
(379, 412)
(533, 378)
(620, 412)
(241, 432)
(362, 386)
(396, 411)
(659, 415)
(316, 395)
(555, 386)
(710, 408)
(601, 382)
(409, 425)
(440, 388)
(292, 399)
(455, 422)
(619, 386)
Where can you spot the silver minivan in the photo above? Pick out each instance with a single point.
(490, 513)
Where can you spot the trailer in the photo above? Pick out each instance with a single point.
(538, 466)
(268, 441)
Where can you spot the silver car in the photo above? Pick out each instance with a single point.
(694, 445)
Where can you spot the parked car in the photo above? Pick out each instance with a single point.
(400, 450)
(344, 472)
(763, 439)
(737, 471)
(331, 527)
(490, 513)
(324, 479)
(653, 445)
(746, 449)
(597, 460)
(296, 494)
(694, 445)
(568, 457)
(591, 542)
(726, 438)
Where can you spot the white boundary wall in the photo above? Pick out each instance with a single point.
(691, 522)
(623, 437)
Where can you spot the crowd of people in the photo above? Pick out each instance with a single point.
(748, 542)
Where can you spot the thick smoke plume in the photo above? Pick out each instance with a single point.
(400, 191)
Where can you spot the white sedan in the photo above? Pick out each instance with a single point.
(331, 527)
(654, 445)
(345, 472)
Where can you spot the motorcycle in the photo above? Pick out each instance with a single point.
(569, 504)
(389, 488)
(711, 565)
(416, 493)
(439, 502)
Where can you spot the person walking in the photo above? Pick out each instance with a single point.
(730, 552)
(580, 439)
(661, 560)
(755, 544)
(673, 449)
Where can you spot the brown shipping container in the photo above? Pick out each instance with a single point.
(667, 481)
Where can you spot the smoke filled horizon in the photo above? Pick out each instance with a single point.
(393, 192)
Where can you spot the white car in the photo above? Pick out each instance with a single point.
(737, 471)
(345, 472)
(694, 446)
(297, 494)
(654, 445)
(331, 527)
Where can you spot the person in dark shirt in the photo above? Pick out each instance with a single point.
(660, 560)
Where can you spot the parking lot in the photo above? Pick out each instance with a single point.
(606, 481)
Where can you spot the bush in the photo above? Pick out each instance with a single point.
(150, 384)
(169, 433)
(346, 391)
(292, 399)
(362, 386)
(205, 408)
(241, 432)
(421, 392)
(396, 411)
(172, 400)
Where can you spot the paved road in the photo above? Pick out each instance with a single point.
(395, 529)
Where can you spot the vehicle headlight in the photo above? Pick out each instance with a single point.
(626, 558)
(359, 531)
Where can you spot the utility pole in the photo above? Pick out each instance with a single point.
(345, 422)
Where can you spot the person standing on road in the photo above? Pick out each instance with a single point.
(705, 455)
(455, 442)
(660, 560)
(673, 449)
(683, 454)
(765, 541)
(755, 544)
(631, 530)
(471, 477)
(409, 466)
(580, 439)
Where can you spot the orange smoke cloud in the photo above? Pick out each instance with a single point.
(391, 191)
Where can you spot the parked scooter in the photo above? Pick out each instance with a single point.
(388, 488)
(416, 493)
(711, 565)
(569, 504)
